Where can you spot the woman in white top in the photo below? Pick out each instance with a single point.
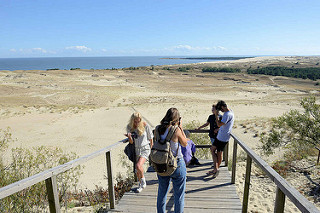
(178, 177)
(141, 134)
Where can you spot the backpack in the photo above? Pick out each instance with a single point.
(161, 157)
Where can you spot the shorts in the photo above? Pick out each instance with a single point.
(143, 152)
(219, 144)
(212, 140)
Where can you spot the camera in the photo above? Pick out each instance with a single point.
(134, 135)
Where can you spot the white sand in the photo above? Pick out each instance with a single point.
(81, 113)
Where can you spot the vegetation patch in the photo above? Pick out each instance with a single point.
(221, 69)
(312, 73)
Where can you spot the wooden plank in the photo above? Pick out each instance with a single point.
(203, 193)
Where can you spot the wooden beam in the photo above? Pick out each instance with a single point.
(110, 181)
(53, 196)
(247, 185)
(234, 162)
(280, 201)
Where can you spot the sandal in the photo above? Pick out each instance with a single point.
(210, 172)
(215, 174)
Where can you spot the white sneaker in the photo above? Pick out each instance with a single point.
(143, 183)
(139, 189)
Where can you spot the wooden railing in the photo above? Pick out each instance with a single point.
(49, 176)
(283, 187)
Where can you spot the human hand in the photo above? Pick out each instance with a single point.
(128, 135)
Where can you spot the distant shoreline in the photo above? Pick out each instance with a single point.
(212, 58)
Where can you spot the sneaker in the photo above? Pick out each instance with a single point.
(143, 183)
(139, 189)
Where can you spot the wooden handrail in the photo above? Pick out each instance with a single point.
(50, 175)
(283, 187)
(303, 204)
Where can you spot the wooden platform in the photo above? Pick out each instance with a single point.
(203, 193)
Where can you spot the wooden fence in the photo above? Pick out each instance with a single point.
(49, 176)
(283, 187)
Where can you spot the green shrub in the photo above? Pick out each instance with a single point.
(28, 162)
(221, 69)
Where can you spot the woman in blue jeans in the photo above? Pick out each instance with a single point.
(178, 178)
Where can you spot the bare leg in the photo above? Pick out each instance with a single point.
(219, 157)
(215, 159)
(139, 166)
(212, 152)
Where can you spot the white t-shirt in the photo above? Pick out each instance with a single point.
(225, 130)
(144, 139)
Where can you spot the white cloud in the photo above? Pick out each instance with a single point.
(38, 49)
(79, 48)
(191, 48)
(183, 47)
(30, 50)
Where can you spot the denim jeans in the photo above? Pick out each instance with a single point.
(179, 185)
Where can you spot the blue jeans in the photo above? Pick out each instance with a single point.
(179, 186)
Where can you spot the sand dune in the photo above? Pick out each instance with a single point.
(82, 111)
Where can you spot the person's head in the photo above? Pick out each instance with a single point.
(222, 106)
(135, 123)
(213, 109)
(172, 117)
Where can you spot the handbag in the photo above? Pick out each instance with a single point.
(130, 151)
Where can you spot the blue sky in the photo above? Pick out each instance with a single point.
(43, 28)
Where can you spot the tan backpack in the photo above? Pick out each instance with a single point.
(162, 159)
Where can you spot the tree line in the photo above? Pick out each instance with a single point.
(312, 73)
(220, 69)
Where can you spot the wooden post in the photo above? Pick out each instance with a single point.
(53, 197)
(234, 162)
(247, 185)
(226, 154)
(318, 156)
(110, 181)
(280, 201)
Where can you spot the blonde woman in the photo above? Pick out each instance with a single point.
(141, 134)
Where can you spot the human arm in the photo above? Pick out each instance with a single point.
(151, 143)
(149, 134)
(204, 125)
(182, 139)
(218, 120)
(129, 137)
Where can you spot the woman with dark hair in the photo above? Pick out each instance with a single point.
(178, 177)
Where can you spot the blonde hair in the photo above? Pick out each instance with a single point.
(140, 128)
